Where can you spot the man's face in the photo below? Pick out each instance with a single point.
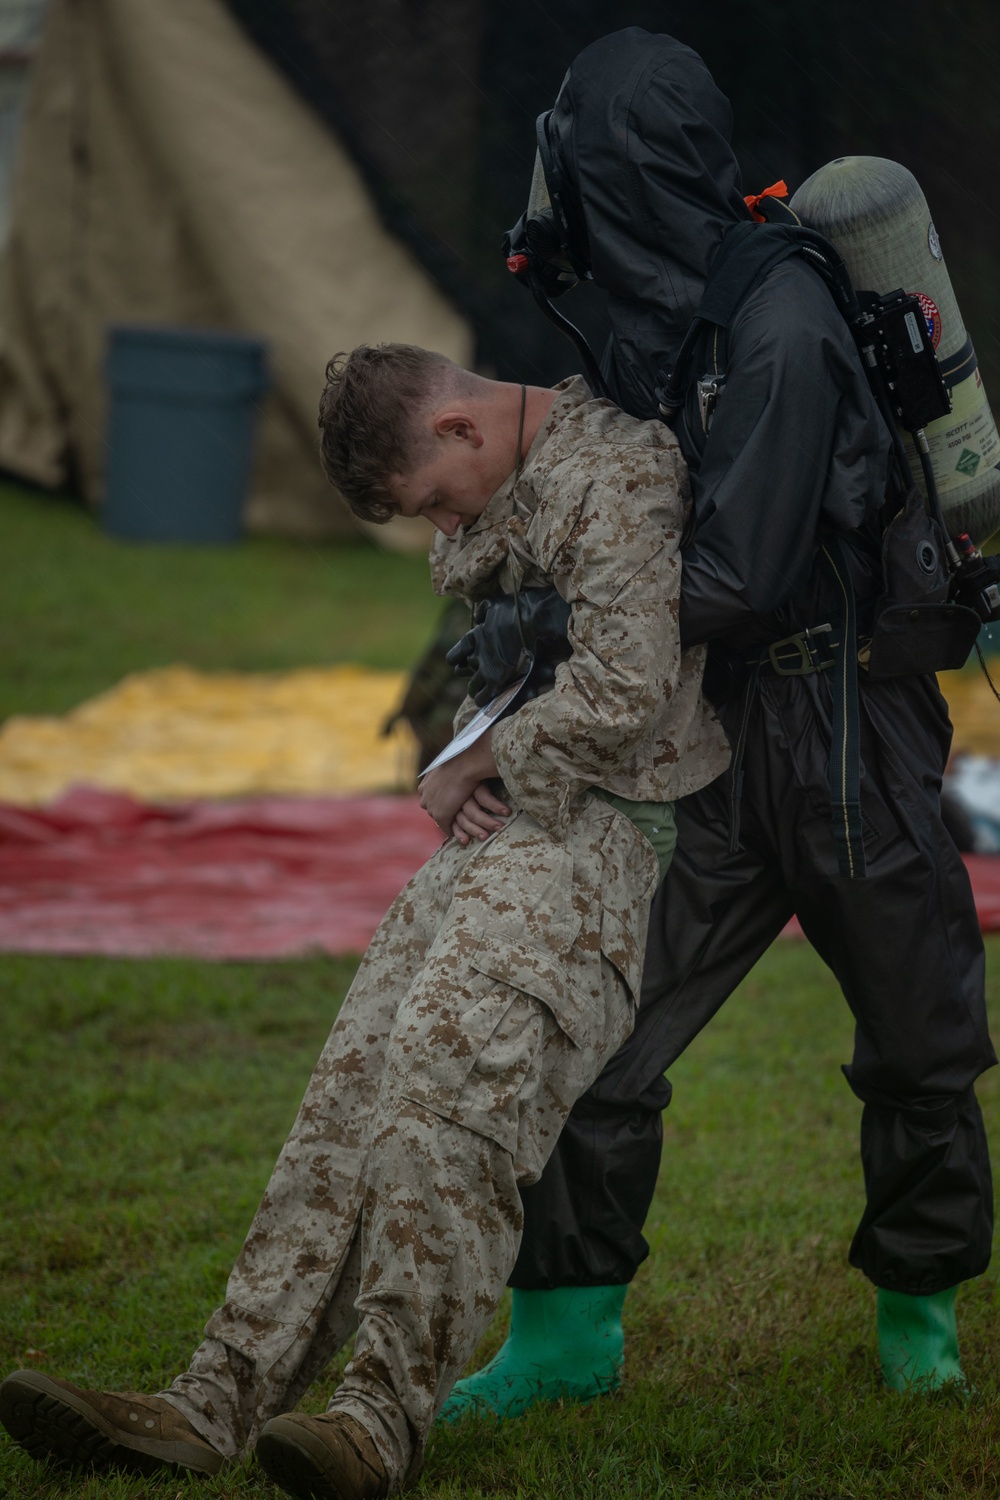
(453, 485)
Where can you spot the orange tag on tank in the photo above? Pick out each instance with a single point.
(776, 190)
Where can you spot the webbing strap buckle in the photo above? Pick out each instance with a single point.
(709, 391)
(805, 653)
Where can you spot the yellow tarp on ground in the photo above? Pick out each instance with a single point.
(975, 712)
(175, 733)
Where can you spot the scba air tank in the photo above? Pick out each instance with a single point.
(875, 214)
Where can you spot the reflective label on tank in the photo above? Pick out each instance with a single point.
(965, 443)
(958, 366)
(931, 316)
(933, 243)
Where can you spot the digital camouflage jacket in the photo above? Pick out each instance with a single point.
(597, 510)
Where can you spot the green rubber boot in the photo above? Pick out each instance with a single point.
(565, 1344)
(918, 1340)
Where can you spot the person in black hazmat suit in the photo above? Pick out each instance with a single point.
(796, 455)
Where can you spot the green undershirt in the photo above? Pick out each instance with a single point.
(655, 820)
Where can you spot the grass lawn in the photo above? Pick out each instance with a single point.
(145, 1103)
(78, 609)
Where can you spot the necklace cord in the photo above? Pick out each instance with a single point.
(517, 474)
(520, 435)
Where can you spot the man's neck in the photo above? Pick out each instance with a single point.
(538, 401)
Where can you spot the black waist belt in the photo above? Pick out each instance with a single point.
(799, 655)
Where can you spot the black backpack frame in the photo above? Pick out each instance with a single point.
(919, 625)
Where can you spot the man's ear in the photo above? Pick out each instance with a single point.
(459, 425)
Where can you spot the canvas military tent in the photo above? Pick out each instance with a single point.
(321, 173)
(169, 174)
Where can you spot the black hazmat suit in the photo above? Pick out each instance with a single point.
(796, 454)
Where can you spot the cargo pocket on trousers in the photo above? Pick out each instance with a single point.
(547, 976)
(478, 1083)
(487, 1092)
(543, 981)
(620, 948)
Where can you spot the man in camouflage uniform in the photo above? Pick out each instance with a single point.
(500, 980)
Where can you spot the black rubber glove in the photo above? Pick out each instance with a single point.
(494, 653)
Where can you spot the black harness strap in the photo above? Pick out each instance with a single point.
(844, 765)
(736, 764)
(745, 255)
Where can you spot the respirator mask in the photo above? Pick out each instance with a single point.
(547, 250)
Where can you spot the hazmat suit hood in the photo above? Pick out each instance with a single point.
(640, 134)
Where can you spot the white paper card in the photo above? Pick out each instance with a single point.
(484, 720)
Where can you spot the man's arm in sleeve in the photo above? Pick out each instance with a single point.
(795, 436)
(619, 570)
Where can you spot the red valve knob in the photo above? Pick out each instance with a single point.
(517, 263)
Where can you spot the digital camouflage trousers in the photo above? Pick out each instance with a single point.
(498, 983)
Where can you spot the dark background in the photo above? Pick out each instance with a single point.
(437, 100)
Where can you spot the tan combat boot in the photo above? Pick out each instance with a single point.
(59, 1423)
(330, 1457)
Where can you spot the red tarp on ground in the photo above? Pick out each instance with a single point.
(264, 877)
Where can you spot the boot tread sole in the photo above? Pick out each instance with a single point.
(52, 1425)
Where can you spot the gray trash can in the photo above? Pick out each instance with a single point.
(183, 402)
